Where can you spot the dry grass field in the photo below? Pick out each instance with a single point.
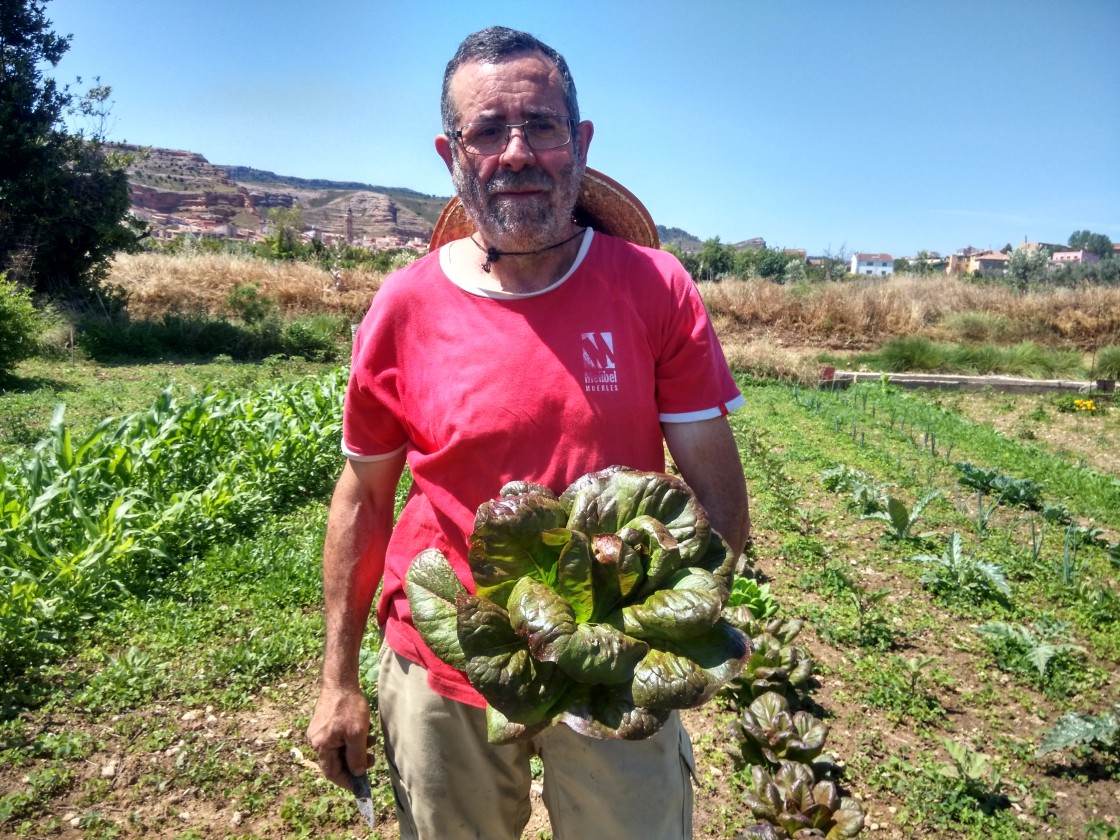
(764, 326)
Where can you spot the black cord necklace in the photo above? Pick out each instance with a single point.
(493, 254)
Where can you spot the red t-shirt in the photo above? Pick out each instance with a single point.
(482, 388)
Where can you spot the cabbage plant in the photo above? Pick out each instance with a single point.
(599, 609)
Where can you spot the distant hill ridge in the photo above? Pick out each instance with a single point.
(180, 192)
(249, 175)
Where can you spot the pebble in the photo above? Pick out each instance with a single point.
(236, 818)
(109, 770)
(193, 714)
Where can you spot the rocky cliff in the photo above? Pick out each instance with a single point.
(179, 192)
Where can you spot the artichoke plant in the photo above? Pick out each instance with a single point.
(600, 609)
(797, 806)
(767, 734)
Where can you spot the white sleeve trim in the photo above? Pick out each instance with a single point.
(354, 456)
(704, 413)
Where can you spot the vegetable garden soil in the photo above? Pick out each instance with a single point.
(169, 769)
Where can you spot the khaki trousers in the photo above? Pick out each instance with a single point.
(451, 784)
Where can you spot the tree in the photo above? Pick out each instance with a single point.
(63, 195)
(285, 228)
(1096, 243)
(716, 260)
(1028, 267)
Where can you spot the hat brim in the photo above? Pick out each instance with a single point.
(603, 204)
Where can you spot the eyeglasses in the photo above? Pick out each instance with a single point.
(492, 137)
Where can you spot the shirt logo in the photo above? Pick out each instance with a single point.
(599, 372)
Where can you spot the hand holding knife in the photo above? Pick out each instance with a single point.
(363, 796)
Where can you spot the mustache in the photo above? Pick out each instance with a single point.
(525, 179)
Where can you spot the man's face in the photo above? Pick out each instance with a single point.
(520, 198)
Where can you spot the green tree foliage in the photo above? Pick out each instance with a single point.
(286, 225)
(1096, 243)
(716, 260)
(20, 325)
(1026, 268)
(63, 195)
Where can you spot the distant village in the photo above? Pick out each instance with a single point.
(970, 260)
(168, 226)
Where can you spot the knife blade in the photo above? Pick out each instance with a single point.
(363, 796)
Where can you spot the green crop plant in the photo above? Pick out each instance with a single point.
(1043, 654)
(896, 685)
(973, 772)
(962, 578)
(600, 608)
(901, 520)
(865, 494)
(775, 664)
(1100, 732)
(766, 734)
(1019, 492)
(749, 599)
(791, 803)
(85, 522)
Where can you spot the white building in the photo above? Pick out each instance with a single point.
(877, 265)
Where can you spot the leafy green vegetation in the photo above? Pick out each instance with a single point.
(111, 512)
(933, 727)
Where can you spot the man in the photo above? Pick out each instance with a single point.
(529, 348)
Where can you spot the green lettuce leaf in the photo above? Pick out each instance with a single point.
(588, 653)
(506, 543)
(685, 674)
(686, 610)
(432, 588)
(500, 666)
(604, 501)
(574, 579)
(657, 548)
(610, 713)
(617, 573)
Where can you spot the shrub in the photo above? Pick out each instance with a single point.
(315, 339)
(20, 325)
(1108, 362)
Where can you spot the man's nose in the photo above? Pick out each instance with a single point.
(518, 153)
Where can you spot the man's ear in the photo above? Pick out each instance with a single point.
(585, 131)
(443, 149)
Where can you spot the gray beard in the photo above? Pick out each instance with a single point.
(521, 225)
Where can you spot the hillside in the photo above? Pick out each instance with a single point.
(179, 192)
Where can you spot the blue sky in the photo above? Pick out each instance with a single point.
(825, 125)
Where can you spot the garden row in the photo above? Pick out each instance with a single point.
(86, 521)
(1021, 555)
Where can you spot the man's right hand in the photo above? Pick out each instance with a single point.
(341, 726)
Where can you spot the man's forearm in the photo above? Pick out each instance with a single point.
(357, 537)
(708, 458)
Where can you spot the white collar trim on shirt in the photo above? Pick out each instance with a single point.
(467, 286)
